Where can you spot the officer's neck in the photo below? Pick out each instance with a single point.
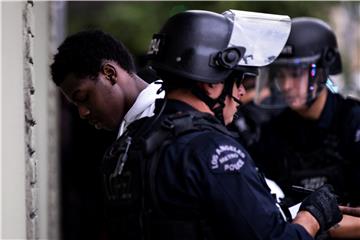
(314, 111)
(185, 95)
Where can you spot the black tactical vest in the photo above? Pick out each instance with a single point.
(130, 166)
(324, 164)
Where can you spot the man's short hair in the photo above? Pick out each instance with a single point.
(82, 54)
(173, 82)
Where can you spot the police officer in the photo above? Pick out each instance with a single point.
(250, 116)
(316, 139)
(180, 174)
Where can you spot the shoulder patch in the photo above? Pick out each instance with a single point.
(227, 158)
(357, 136)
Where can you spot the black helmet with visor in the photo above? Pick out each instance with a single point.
(208, 47)
(311, 48)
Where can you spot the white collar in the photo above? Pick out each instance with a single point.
(143, 106)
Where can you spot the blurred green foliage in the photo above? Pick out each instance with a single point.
(135, 22)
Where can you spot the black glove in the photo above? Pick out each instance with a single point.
(323, 206)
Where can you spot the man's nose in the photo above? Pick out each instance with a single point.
(83, 111)
(287, 83)
(242, 90)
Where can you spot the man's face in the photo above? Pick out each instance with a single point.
(293, 84)
(97, 99)
(231, 105)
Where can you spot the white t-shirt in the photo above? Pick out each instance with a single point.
(143, 107)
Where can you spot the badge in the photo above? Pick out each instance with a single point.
(227, 159)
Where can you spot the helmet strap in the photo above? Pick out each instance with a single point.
(210, 102)
(312, 78)
(199, 93)
(227, 91)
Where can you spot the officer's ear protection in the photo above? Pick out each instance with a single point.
(109, 71)
(328, 57)
(227, 58)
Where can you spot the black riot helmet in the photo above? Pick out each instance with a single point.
(310, 49)
(202, 46)
(206, 46)
(188, 44)
(311, 41)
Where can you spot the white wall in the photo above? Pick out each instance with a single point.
(14, 186)
(12, 137)
(41, 72)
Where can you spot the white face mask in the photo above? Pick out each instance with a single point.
(262, 35)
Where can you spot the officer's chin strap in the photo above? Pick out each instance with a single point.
(227, 91)
(237, 101)
(210, 102)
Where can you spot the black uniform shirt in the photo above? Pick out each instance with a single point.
(297, 151)
(209, 174)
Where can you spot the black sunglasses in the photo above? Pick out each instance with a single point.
(247, 79)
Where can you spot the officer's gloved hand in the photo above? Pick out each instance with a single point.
(323, 206)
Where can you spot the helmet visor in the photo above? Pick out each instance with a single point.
(290, 86)
(262, 35)
(297, 61)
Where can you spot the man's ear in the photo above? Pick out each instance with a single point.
(212, 90)
(205, 87)
(110, 72)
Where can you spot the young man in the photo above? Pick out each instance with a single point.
(97, 74)
(180, 174)
(316, 139)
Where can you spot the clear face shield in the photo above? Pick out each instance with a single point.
(260, 36)
(294, 86)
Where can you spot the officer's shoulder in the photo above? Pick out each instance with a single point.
(350, 115)
(352, 124)
(349, 99)
(211, 140)
(220, 153)
(352, 106)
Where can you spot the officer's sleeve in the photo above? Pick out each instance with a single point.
(237, 202)
(352, 151)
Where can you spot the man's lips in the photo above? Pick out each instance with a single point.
(289, 97)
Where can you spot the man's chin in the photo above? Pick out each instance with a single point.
(228, 120)
(297, 106)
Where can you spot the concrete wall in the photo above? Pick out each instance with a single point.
(29, 154)
(12, 137)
